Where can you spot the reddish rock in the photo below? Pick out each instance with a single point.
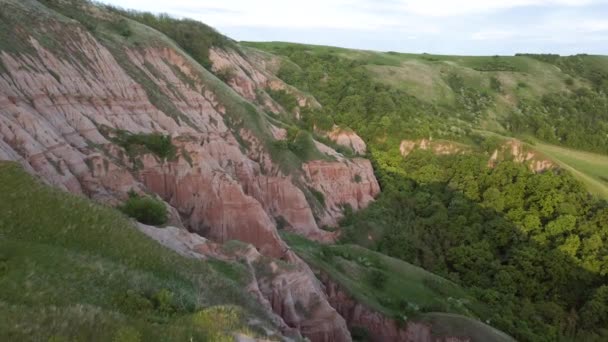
(520, 153)
(348, 138)
(437, 147)
(342, 182)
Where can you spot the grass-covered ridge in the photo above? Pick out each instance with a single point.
(74, 270)
(398, 289)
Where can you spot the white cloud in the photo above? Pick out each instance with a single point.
(410, 15)
(446, 8)
(432, 24)
(493, 35)
(268, 13)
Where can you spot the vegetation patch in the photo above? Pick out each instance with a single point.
(145, 209)
(495, 63)
(287, 100)
(390, 286)
(139, 143)
(193, 36)
(225, 74)
(318, 195)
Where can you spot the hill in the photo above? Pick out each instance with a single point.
(450, 185)
(484, 210)
(76, 270)
(400, 291)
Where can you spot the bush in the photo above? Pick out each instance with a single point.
(287, 100)
(146, 210)
(225, 74)
(360, 334)
(378, 279)
(282, 223)
(156, 143)
(133, 303)
(122, 27)
(318, 195)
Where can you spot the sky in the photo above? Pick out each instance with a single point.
(466, 27)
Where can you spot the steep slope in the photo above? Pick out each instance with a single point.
(386, 299)
(76, 78)
(74, 270)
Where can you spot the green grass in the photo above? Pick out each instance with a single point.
(156, 143)
(75, 270)
(406, 289)
(145, 209)
(456, 325)
(589, 168)
(399, 289)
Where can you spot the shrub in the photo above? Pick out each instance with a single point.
(225, 74)
(122, 27)
(163, 301)
(133, 303)
(146, 210)
(377, 278)
(360, 334)
(281, 222)
(287, 100)
(156, 143)
(318, 195)
(303, 146)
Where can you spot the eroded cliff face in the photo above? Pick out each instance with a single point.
(53, 112)
(437, 147)
(293, 298)
(61, 106)
(347, 182)
(510, 150)
(520, 153)
(348, 138)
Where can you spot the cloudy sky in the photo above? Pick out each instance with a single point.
(468, 27)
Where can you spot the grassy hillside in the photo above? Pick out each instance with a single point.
(424, 75)
(71, 270)
(589, 168)
(399, 289)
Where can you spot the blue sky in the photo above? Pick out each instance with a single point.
(467, 27)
